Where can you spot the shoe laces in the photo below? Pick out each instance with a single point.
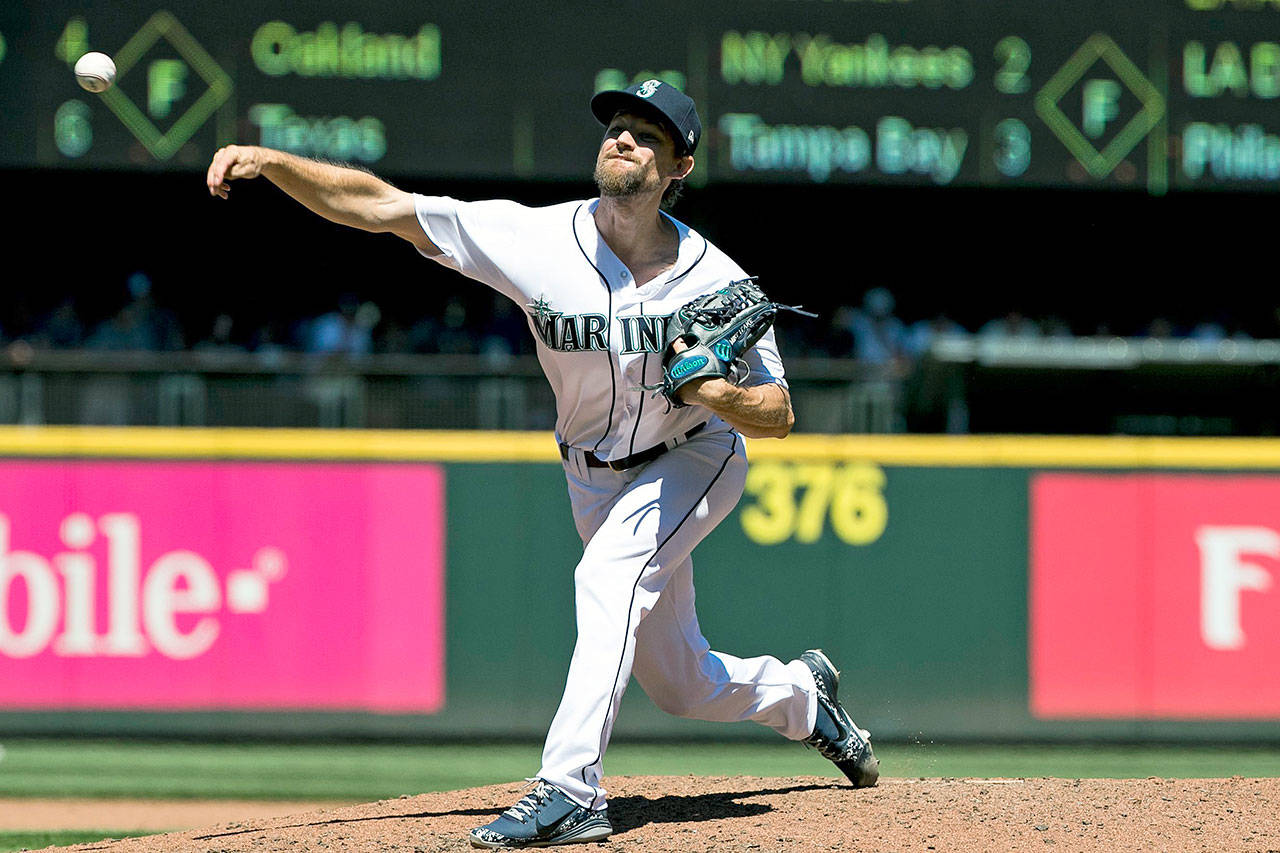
(840, 750)
(530, 802)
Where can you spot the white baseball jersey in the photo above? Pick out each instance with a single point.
(599, 336)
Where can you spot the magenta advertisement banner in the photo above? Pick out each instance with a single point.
(221, 585)
(1155, 596)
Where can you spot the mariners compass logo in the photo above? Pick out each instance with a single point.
(540, 308)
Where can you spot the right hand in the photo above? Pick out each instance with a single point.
(231, 163)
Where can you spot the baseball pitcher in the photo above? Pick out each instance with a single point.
(661, 353)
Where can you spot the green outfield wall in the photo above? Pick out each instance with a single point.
(909, 559)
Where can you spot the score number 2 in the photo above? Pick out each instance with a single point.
(794, 501)
(1014, 56)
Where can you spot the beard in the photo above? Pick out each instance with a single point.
(623, 183)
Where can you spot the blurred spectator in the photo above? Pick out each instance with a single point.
(455, 336)
(159, 322)
(219, 340)
(879, 337)
(1012, 326)
(1208, 332)
(469, 322)
(60, 328)
(123, 332)
(346, 331)
(423, 334)
(268, 343)
(921, 335)
(392, 337)
(505, 333)
(269, 338)
(1219, 328)
(140, 325)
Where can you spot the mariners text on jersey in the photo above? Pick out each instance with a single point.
(586, 332)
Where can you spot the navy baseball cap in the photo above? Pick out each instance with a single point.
(653, 96)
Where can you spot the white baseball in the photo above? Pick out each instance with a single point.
(95, 72)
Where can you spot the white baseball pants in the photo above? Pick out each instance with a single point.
(635, 611)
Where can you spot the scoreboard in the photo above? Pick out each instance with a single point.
(1150, 95)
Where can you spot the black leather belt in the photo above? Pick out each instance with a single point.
(631, 461)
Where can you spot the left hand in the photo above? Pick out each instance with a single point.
(760, 412)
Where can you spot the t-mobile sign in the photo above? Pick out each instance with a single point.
(180, 585)
(1155, 596)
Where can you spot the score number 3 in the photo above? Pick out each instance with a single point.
(794, 501)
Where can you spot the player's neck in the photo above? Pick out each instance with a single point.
(635, 230)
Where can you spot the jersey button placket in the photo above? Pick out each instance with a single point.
(629, 365)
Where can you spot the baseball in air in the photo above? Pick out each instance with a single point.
(95, 72)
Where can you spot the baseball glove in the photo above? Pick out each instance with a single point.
(715, 330)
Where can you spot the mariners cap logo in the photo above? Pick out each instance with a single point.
(652, 96)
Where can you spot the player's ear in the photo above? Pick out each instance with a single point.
(682, 168)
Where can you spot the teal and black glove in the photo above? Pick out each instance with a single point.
(713, 331)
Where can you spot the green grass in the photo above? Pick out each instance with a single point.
(69, 768)
(364, 772)
(11, 841)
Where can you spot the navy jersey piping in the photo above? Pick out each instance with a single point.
(705, 244)
(608, 333)
(644, 367)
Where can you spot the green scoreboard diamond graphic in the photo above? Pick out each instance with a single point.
(1101, 98)
(166, 79)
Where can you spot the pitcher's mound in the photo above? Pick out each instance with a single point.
(744, 813)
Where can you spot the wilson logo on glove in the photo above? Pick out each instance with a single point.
(688, 366)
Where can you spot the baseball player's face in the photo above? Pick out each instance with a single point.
(637, 156)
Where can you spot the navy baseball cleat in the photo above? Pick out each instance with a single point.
(544, 817)
(835, 735)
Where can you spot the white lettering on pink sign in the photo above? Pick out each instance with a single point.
(174, 585)
(1180, 577)
(1225, 576)
(143, 609)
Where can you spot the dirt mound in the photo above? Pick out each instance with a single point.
(686, 813)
